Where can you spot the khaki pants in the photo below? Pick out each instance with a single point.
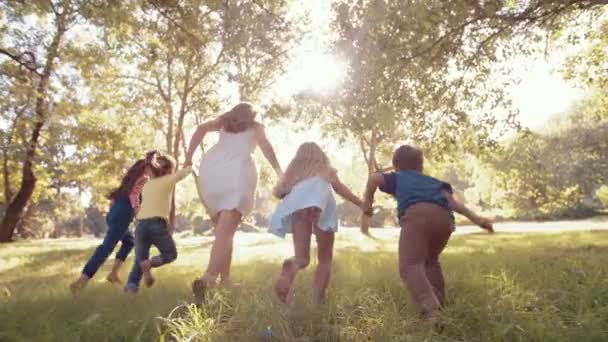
(425, 231)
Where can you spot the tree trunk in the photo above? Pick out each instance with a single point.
(371, 168)
(14, 210)
(8, 193)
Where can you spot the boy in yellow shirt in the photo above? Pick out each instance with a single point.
(152, 227)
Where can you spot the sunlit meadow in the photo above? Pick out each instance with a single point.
(502, 287)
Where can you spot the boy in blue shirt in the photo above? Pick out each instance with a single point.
(425, 208)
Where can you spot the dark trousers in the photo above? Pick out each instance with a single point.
(118, 219)
(151, 232)
(425, 231)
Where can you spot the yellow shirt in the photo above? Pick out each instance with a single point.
(157, 194)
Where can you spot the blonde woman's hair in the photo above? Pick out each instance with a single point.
(309, 161)
(240, 118)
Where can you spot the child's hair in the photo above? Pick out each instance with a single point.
(407, 157)
(240, 118)
(134, 173)
(309, 161)
(166, 165)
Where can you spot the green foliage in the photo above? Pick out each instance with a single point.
(589, 67)
(135, 75)
(128, 76)
(53, 216)
(495, 293)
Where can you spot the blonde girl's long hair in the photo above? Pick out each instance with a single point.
(309, 161)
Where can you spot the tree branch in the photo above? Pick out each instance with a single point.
(53, 8)
(139, 79)
(165, 14)
(159, 87)
(19, 58)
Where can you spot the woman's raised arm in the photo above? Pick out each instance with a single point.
(198, 136)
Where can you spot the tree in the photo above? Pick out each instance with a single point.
(180, 53)
(39, 76)
(590, 67)
(38, 69)
(430, 70)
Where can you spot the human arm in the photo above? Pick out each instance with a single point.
(182, 173)
(374, 181)
(198, 136)
(267, 149)
(344, 191)
(176, 177)
(460, 208)
(169, 181)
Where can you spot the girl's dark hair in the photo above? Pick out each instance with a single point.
(239, 118)
(133, 174)
(407, 157)
(165, 166)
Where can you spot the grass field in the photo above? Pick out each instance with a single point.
(505, 287)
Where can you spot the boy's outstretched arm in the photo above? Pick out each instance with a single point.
(374, 181)
(460, 208)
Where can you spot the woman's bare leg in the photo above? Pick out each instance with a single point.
(221, 250)
(225, 272)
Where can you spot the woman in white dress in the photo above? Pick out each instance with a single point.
(228, 179)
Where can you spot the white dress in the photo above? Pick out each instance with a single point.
(227, 174)
(310, 192)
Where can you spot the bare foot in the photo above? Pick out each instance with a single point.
(130, 291)
(281, 290)
(199, 289)
(146, 269)
(432, 320)
(282, 285)
(113, 278)
(76, 287)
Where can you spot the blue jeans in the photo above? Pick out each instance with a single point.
(118, 219)
(151, 232)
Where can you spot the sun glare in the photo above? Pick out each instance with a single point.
(312, 71)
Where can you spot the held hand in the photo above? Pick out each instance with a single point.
(187, 162)
(367, 208)
(485, 223)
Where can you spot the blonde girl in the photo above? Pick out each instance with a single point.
(308, 206)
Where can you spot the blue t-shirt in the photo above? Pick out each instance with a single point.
(410, 187)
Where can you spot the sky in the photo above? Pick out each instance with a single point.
(541, 93)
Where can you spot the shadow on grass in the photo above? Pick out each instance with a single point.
(38, 262)
(500, 288)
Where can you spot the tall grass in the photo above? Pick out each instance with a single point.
(511, 287)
